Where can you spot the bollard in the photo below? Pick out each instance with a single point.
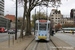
(13, 40)
(9, 41)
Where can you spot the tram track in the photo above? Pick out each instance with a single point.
(47, 46)
(37, 45)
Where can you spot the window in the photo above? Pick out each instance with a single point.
(42, 26)
(58, 18)
(55, 23)
(52, 18)
(51, 15)
(48, 26)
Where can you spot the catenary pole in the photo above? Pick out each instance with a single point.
(16, 23)
(39, 12)
(34, 22)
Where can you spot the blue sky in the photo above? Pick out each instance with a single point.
(65, 8)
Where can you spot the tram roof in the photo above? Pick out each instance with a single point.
(43, 20)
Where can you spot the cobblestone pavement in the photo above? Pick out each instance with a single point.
(19, 44)
(68, 38)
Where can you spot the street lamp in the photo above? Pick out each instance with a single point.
(7, 22)
(16, 23)
(39, 11)
(46, 13)
(35, 22)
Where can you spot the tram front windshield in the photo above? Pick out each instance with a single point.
(42, 26)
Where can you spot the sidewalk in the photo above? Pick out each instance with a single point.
(19, 44)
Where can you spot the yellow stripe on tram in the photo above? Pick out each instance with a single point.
(42, 37)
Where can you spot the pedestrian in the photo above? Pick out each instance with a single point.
(63, 31)
(73, 32)
(52, 32)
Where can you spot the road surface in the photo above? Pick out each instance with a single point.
(4, 36)
(67, 37)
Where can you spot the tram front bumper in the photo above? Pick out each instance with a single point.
(42, 37)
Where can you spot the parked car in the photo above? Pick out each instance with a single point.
(11, 31)
(2, 29)
(18, 30)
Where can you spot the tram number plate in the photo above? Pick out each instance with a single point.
(42, 37)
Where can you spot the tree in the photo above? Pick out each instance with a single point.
(68, 25)
(28, 7)
(19, 23)
(58, 26)
(42, 16)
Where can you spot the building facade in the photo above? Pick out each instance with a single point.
(11, 17)
(4, 22)
(1, 7)
(72, 14)
(55, 16)
(69, 21)
(63, 21)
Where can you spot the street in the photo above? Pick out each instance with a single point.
(53, 44)
(4, 36)
(67, 37)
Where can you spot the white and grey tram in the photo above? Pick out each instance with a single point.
(42, 30)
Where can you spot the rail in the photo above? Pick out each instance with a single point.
(41, 45)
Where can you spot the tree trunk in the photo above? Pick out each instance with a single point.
(28, 29)
(21, 33)
(29, 24)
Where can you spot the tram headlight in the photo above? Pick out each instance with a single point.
(45, 34)
(42, 34)
(39, 34)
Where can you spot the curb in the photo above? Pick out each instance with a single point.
(54, 45)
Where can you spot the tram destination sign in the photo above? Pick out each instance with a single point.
(42, 21)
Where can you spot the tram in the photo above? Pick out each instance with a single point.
(42, 30)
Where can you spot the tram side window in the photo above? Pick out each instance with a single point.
(48, 26)
(36, 28)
